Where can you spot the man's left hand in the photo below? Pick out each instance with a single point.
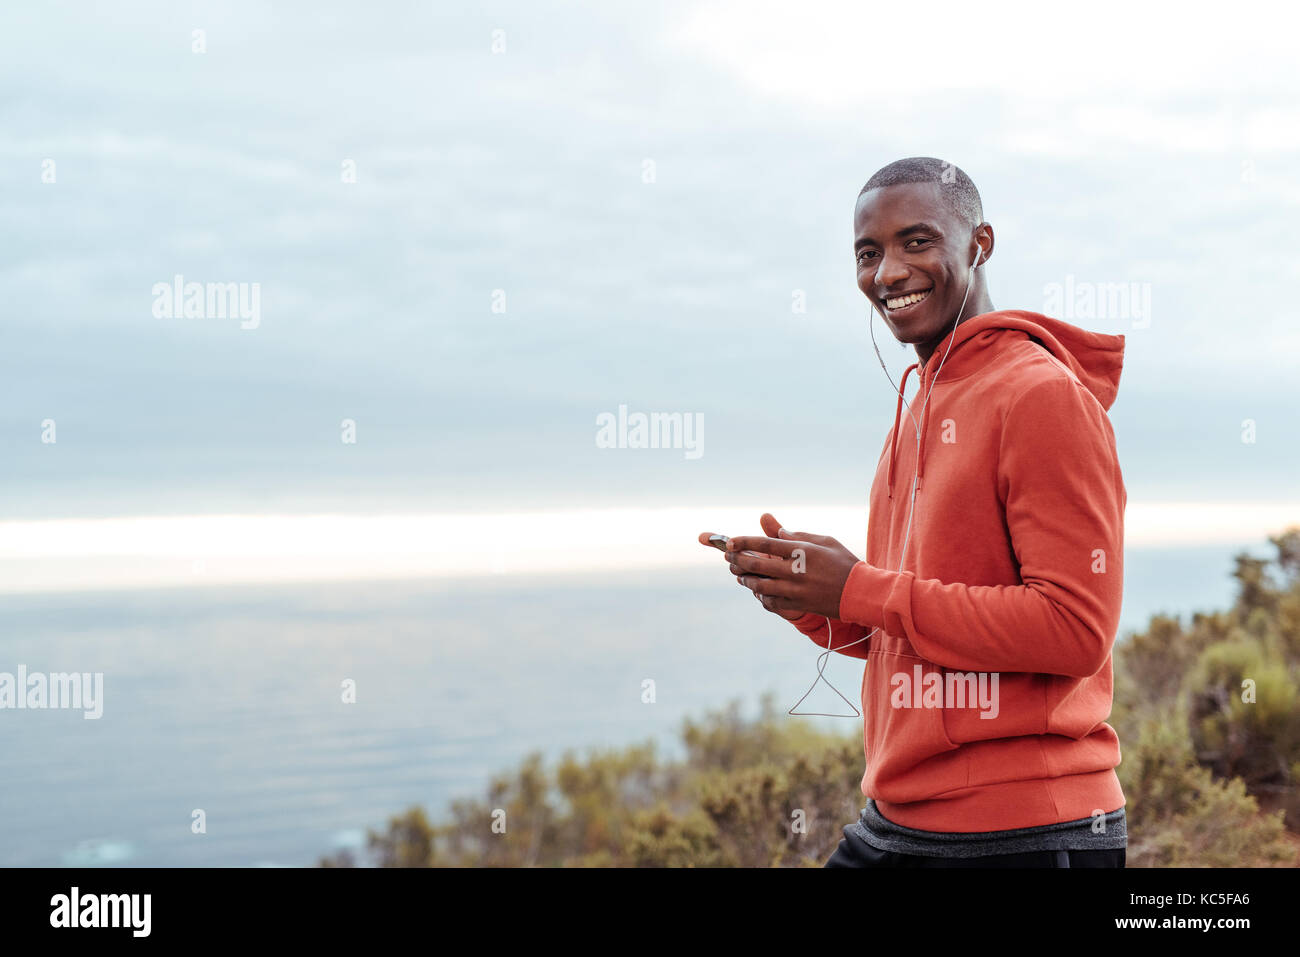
(806, 573)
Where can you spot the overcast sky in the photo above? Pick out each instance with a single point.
(651, 187)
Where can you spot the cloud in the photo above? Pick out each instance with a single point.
(524, 172)
(869, 58)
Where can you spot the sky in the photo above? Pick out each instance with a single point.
(475, 230)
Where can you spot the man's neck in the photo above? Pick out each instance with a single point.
(982, 306)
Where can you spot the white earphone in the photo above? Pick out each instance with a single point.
(825, 655)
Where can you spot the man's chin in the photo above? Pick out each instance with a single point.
(910, 332)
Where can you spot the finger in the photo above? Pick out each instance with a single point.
(808, 537)
(759, 565)
(774, 529)
(785, 607)
(756, 543)
(771, 587)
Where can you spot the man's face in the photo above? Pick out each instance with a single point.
(914, 258)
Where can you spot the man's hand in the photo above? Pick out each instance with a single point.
(796, 573)
(772, 527)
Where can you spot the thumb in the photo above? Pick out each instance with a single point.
(772, 529)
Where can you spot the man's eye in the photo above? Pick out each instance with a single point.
(918, 241)
(864, 254)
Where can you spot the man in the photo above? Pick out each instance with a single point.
(990, 595)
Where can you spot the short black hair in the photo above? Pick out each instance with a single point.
(955, 186)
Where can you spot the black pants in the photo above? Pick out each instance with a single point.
(855, 852)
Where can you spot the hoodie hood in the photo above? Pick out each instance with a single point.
(1094, 358)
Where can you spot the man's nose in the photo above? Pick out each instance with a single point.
(890, 272)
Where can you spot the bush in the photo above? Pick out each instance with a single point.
(1179, 815)
(1199, 757)
(1243, 715)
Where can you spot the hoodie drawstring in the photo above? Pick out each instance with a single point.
(898, 412)
(925, 425)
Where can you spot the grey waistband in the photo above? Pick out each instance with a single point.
(1108, 832)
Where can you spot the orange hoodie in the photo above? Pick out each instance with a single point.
(1013, 579)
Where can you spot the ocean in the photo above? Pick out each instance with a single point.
(229, 701)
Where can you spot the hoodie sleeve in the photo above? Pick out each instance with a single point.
(845, 635)
(1059, 478)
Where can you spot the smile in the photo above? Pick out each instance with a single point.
(911, 299)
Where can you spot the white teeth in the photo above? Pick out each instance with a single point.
(908, 300)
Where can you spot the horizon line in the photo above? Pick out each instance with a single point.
(148, 551)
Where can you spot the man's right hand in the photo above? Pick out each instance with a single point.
(772, 529)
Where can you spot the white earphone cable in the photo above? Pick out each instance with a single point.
(824, 656)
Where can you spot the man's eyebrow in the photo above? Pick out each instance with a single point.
(901, 234)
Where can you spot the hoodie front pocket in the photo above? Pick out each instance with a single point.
(901, 729)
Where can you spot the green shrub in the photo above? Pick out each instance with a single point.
(1198, 759)
(1179, 815)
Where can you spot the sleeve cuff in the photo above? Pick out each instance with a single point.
(864, 595)
(810, 622)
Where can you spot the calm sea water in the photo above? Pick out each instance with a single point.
(229, 700)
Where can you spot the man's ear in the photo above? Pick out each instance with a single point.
(983, 237)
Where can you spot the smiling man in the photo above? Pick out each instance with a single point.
(994, 560)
